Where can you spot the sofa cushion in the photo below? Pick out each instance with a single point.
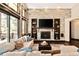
(33, 53)
(26, 49)
(35, 47)
(15, 53)
(10, 46)
(26, 38)
(29, 44)
(29, 38)
(18, 45)
(36, 52)
(21, 40)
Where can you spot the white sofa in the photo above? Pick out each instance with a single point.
(9, 47)
(12, 52)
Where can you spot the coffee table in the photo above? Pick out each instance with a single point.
(44, 47)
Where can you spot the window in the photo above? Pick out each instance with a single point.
(13, 27)
(23, 25)
(13, 5)
(23, 12)
(3, 27)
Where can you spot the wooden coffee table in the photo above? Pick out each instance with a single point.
(44, 47)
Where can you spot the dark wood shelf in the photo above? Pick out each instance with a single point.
(51, 41)
(34, 28)
(57, 29)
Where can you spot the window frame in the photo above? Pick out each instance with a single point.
(8, 25)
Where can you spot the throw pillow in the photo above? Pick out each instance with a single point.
(19, 44)
(29, 38)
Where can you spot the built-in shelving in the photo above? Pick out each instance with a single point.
(34, 28)
(56, 29)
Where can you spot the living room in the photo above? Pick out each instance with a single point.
(42, 29)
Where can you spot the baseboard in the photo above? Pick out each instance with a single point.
(52, 41)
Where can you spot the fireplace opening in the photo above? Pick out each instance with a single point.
(45, 35)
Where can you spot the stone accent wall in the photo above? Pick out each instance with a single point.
(50, 13)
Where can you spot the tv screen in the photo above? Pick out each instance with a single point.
(45, 23)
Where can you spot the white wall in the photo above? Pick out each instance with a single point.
(75, 29)
(67, 27)
(75, 11)
(75, 21)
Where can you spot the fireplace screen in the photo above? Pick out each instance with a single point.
(45, 35)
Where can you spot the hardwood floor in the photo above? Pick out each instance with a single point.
(75, 42)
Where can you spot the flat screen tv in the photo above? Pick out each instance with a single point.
(45, 23)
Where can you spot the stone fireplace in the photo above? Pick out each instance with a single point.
(46, 34)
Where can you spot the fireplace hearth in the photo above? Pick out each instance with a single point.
(45, 35)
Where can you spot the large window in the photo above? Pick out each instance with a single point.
(9, 25)
(3, 27)
(13, 28)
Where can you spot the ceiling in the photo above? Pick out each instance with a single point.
(50, 5)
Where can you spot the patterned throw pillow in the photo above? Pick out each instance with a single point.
(19, 44)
